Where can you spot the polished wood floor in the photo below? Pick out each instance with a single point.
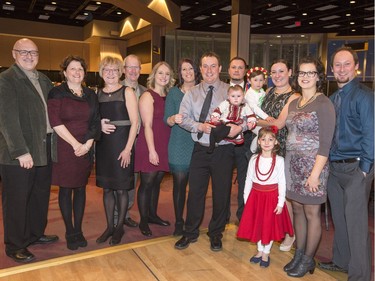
(156, 259)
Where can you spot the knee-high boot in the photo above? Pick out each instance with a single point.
(307, 264)
(295, 261)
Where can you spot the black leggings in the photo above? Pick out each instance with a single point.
(109, 201)
(148, 194)
(72, 202)
(180, 180)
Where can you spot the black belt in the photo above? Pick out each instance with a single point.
(349, 160)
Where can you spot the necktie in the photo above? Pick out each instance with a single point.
(337, 105)
(205, 108)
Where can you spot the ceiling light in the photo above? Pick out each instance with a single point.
(352, 22)
(215, 25)
(348, 15)
(81, 17)
(91, 8)
(98, 3)
(119, 13)
(277, 8)
(214, 14)
(352, 2)
(8, 7)
(229, 22)
(302, 35)
(286, 18)
(53, 3)
(8, 3)
(353, 30)
(304, 14)
(86, 14)
(268, 22)
(50, 8)
(226, 8)
(330, 18)
(43, 17)
(256, 25)
(203, 17)
(327, 7)
(184, 8)
(311, 22)
(278, 36)
(331, 26)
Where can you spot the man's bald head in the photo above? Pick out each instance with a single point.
(25, 53)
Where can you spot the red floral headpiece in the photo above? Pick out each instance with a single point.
(251, 70)
(274, 129)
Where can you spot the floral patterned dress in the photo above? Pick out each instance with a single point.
(310, 132)
(273, 104)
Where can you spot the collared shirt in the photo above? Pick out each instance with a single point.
(34, 78)
(356, 125)
(242, 84)
(191, 107)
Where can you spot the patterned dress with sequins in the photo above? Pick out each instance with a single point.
(273, 104)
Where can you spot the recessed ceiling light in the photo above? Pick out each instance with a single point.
(203, 17)
(119, 13)
(304, 14)
(214, 14)
(86, 14)
(352, 22)
(278, 36)
(268, 22)
(302, 35)
(98, 3)
(348, 15)
(229, 22)
(352, 2)
(53, 3)
(8, 3)
(353, 30)
(327, 7)
(311, 22)
(330, 18)
(226, 8)
(184, 8)
(43, 17)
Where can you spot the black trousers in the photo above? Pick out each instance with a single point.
(25, 198)
(242, 156)
(219, 167)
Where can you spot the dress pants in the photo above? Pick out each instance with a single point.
(25, 198)
(242, 155)
(348, 193)
(219, 167)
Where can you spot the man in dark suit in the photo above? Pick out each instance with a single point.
(25, 160)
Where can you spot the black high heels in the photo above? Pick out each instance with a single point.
(145, 229)
(117, 236)
(104, 237)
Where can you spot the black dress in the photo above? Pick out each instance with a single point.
(109, 173)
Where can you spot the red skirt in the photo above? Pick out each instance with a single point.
(258, 221)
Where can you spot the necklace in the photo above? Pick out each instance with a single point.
(77, 94)
(286, 90)
(270, 171)
(310, 100)
(110, 90)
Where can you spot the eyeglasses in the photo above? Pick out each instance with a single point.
(109, 70)
(24, 53)
(132, 67)
(309, 74)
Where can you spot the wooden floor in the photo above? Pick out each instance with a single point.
(157, 259)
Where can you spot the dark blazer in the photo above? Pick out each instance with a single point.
(23, 123)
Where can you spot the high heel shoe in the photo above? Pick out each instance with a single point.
(307, 264)
(104, 237)
(71, 241)
(287, 247)
(295, 261)
(145, 230)
(81, 240)
(117, 235)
